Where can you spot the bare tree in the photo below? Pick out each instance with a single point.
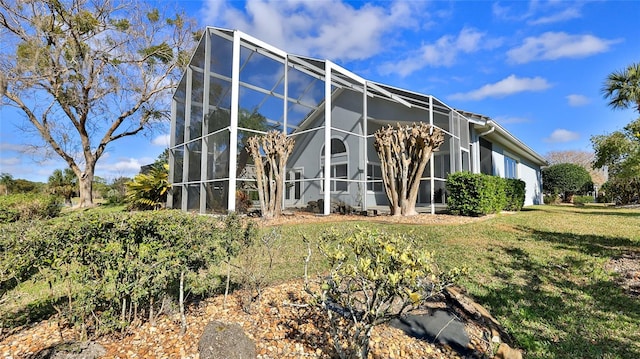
(404, 152)
(88, 72)
(276, 147)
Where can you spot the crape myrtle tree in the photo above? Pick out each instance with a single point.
(404, 152)
(276, 148)
(86, 73)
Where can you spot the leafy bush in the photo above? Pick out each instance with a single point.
(515, 193)
(118, 267)
(551, 199)
(28, 206)
(622, 191)
(581, 200)
(149, 190)
(374, 278)
(475, 194)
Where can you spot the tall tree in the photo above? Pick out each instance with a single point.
(404, 152)
(86, 73)
(619, 151)
(622, 88)
(63, 183)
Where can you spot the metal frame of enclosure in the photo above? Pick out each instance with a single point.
(236, 86)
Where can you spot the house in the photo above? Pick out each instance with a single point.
(237, 86)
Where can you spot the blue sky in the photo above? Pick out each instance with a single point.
(535, 67)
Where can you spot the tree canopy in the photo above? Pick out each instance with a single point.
(565, 178)
(86, 73)
(622, 88)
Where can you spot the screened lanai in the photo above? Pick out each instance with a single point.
(237, 86)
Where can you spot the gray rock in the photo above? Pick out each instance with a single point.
(225, 341)
(72, 350)
(438, 326)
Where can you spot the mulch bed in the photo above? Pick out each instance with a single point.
(281, 325)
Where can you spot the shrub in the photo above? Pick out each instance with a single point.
(474, 194)
(515, 193)
(581, 200)
(119, 267)
(551, 199)
(622, 191)
(28, 206)
(374, 278)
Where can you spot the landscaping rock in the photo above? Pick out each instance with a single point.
(225, 341)
(438, 326)
(72, 350)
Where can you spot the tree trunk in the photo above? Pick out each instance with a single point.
(86, 189)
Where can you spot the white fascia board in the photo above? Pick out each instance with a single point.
(308, 66)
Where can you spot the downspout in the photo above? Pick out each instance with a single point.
(493, 128)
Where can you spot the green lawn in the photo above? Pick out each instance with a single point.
(541, 272)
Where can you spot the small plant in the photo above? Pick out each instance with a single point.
(374, 278)
(582, 200)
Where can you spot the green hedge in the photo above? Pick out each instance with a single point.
(28, 206)
(472, 194)
(118, 267)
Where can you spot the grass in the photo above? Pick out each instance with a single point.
(541, 272)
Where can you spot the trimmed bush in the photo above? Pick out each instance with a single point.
(28, 206)
(475, 194)
(515, 193)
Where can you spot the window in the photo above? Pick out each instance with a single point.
(486, 161)
(510, 167)
(374, 178)
(339, 169)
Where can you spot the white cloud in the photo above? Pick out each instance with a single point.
(577, 100)
(538, 13)
(328, 29)
(557, 45)
(11, 161)
(561, 135)
(505, 87)
(443, 52)
(162, 140)
(566, 14)
(4, 146)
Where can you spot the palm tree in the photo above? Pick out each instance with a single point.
(149, 190)
(64, 183)
(623, 88)
(7, 181)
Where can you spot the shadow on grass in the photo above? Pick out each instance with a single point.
(559, 307)
(32, 313)
(588, 244)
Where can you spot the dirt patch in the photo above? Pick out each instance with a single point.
(628, 266)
